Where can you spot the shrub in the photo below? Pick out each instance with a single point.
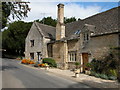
(113, 72)
(97, 75)
(28, 61)
(19, 58)
(77, 64)
(31, 62)
(25, 61)
(103, 76)
(46, 64)
(51, 62)
(88, 65)
(112, 77)
(41, 65)
(92, 73)
(36, 64)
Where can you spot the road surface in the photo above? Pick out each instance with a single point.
(15, 75)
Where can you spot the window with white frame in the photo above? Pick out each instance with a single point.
(72, 56)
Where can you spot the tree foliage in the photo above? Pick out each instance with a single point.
(13, 39)
(49, 21)
(18, 10)
(68, 20)
(109, 64)
(52, 22)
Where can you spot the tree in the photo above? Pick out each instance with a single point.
(48, 21)
(68, 20)
(18, 10)
(14, 37)
(52, 22)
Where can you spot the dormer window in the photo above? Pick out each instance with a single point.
(32, 43)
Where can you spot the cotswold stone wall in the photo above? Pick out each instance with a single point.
(60, 54)
(50, 50)
(40, 43)
(73, 46)
(44, 48)
(99, 46)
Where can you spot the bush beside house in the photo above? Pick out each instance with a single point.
(106, 68)
(27, 61)
(51, 62)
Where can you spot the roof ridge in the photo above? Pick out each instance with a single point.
(39, 29)
(45, 25)
(45, 30)
(102, 12)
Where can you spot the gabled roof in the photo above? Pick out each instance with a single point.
(105, 22)
(47, 31)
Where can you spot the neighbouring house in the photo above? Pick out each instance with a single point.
(79, 41)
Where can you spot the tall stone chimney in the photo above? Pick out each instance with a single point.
(60, 27)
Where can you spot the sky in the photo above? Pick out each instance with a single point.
(73, 8)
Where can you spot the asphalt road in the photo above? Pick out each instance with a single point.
(15, 75)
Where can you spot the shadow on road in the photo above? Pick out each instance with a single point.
(4, 67)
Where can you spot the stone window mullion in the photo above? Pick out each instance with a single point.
(74, 57)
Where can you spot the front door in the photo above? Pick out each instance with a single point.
(85, 60)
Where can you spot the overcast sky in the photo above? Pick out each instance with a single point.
(73, 8)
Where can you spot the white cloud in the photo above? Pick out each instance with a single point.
(39, 10)
(80, 11)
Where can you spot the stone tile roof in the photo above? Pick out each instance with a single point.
(105, 22)
(48, 31)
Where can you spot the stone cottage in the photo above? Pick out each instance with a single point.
(79, 41)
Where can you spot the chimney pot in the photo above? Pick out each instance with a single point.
(60, 5)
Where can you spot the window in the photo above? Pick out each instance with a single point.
(72, 57)
(86, 36)
(119, 39)
(77, 32)
(32, 43)
(31, 56)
